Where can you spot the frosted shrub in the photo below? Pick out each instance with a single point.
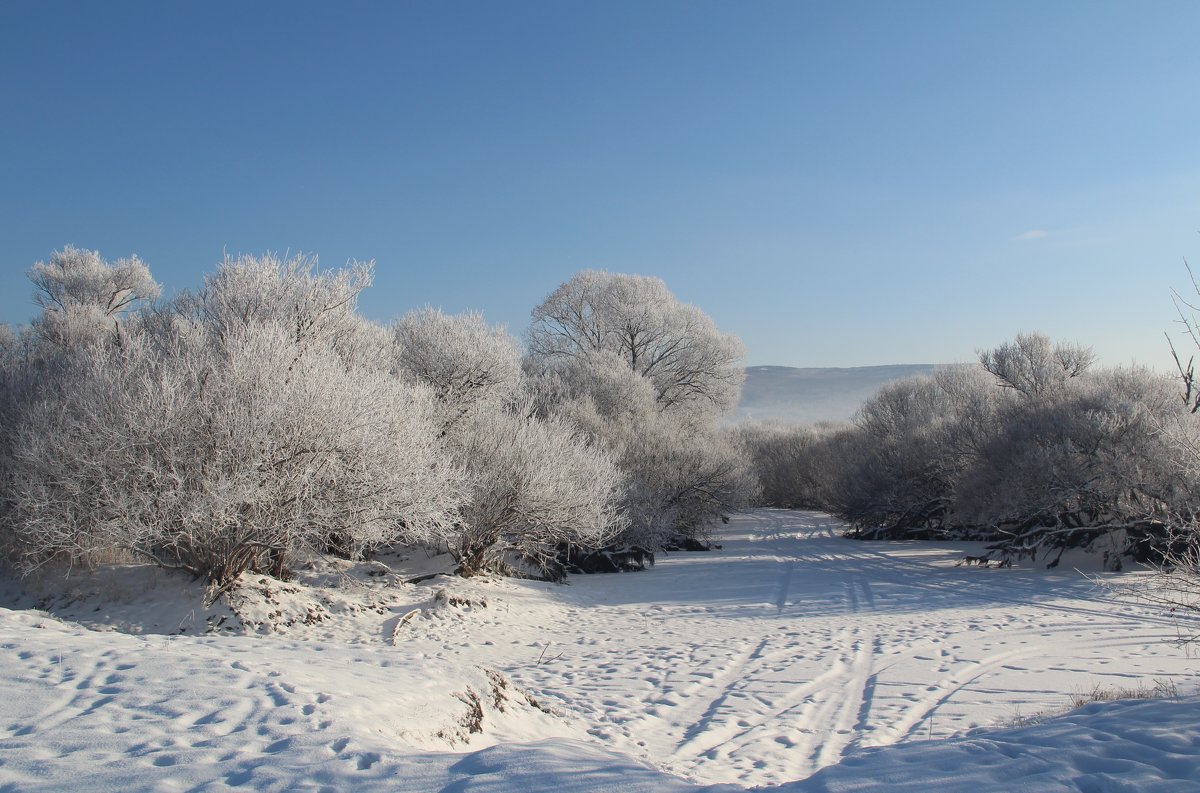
(1028, 449)
(307, 303)
(605, 381)
(226, 431)
(228, 459)
(681, 476)
(1032, 365)
(466, 363)
(1086, 462)
(647, 377)
(682, 480)
(790, 462)
(532, 485)
(902, 479)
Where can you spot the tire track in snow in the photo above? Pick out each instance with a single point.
(705, 729)
(746, 728)
(868, 593)
(838, 665)
(853, 708)
(679, 706)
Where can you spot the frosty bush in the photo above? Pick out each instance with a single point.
(900, 480)
(308, 304)
(1029, 449)
(82, 296)
(681, 480)
(465, 362)
(1085, 463)
(1035, 367)
(790, 462)
(533, 485)
(224, 432)
(530, 484)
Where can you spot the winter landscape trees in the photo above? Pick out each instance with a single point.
(220, 432)
(261, 417)
(261, 425)
(1032, 449)
(687, 361)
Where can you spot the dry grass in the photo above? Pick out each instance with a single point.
(1159, 689)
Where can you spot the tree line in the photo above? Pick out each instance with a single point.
(1033, 448)
(261, 416)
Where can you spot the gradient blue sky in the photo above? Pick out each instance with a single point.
(840, 184)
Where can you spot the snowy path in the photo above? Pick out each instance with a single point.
(792, 646)
(788, 651)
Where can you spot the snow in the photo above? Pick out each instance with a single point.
(791, 656)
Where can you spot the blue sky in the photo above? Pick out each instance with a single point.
(840, 184)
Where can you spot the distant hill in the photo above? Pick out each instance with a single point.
(805, 396)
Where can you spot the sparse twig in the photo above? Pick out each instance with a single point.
(542, 658)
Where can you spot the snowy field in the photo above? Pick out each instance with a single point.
(784, 658)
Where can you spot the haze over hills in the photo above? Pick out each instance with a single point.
(805, 396)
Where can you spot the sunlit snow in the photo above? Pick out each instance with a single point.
(789, 652)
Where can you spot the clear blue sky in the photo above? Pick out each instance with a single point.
(839, 183)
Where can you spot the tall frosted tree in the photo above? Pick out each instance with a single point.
(648, 377)
(691, 365)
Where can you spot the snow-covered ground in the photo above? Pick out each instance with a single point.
(786, 655)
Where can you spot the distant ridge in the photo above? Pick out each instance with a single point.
(805, 396)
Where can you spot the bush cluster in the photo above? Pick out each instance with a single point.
(228, 429)
(1032, 448)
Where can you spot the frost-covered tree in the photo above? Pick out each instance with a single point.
(902, 482)
(691, 365)
(1036, 457)
(530, 483)
(682, 479)
(647, 377)
(75, 278)
(292, 292)
(791, 462)
(228, 459)
(1075, 456)
(601, 384)
(1092, 462)
(683, 473)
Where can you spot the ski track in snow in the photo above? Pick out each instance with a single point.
(825, 645)
(788, 651)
